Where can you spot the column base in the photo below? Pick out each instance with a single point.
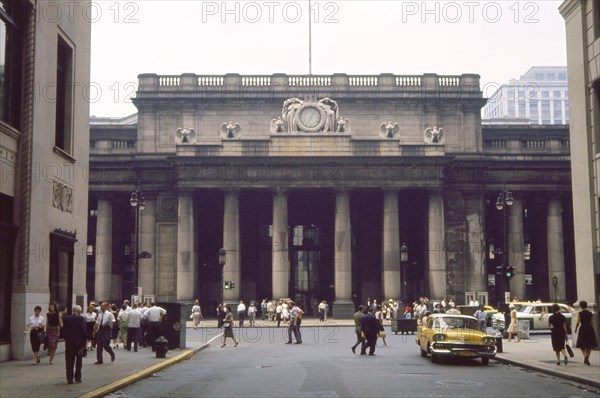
(343, 309)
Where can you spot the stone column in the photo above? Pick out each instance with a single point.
(280, 255)
(556, 255)
(104, 235)
(477, 273)
(147, 243)
(186, 248)
(231, 244)
(515, 248)
(391, 247)
(343, 307)
(436, 255)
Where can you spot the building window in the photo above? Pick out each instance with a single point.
(545, 94)
(62, 250)
(551, 76)
(539, 76)
(557, 112)
(533, 111)
(64, 97)
(10, 63)
(562, 76)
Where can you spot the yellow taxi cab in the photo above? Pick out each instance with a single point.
(445, 335)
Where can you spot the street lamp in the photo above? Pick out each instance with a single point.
(222, 259)
(555, 284)
(403, 262)
(505, 199)
(138, 203)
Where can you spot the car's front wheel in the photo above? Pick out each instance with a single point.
(423, 353)
(485, 361)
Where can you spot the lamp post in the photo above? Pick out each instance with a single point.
(222, 259)
(555, 284)
(403, 262)
(505, 199)
(138, 203)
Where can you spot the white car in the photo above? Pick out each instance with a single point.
(538, 314)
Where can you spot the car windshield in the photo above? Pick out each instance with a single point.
(455, 323)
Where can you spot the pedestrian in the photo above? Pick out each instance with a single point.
(279, 313)
(220, 315)
(370, 328)
(74, 333)
(295, 323)
(122, 322)
(285, 312)
(263, 310)
(228, 327)
(115, 330)
(481, 317)
(252, 313)
(35, 326)
(322, 311)
(513, 327)
(586, 338)
(558, 333)
(53, 326)
(241, 309)
(103, 333)
(271, 310)
(90, 321)
(196, 314)
(379, 316)
(154, 316)
(144, 326)
(358, 315)
(133, 327)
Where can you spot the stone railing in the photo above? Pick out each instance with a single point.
(386, 81)
(526, 146)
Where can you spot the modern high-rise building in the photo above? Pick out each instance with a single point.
(44, 151)
(540, 96)
(582, 19)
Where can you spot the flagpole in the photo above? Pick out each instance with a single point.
(309, 40)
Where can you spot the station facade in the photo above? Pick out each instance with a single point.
(337, 188)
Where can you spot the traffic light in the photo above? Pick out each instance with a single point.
(231, 285)
(510, 271)
(227, 285)
(500, 270)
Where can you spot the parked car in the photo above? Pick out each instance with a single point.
(455, 336)
(538, 314)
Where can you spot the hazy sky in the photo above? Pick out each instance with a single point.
(498, 40)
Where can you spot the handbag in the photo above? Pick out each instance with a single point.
(226, 325)
(42, 337)
(569, 350)
(381, 334)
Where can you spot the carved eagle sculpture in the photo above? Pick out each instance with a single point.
(230, 130)
(434, 135)
(389, 130)
(185, 136)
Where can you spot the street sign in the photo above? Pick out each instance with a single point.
(145, 255)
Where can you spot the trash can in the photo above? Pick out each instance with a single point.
(524, 329)
(173, 324)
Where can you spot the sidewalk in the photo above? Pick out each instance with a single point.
(22, 379)
(536, 353)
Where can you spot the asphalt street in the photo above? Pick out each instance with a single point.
(324, 366)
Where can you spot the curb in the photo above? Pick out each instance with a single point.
(541, 369)
(119, 384)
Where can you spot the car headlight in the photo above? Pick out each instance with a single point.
(489, 340)
(439, 337)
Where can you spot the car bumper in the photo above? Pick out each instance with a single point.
(463, 351)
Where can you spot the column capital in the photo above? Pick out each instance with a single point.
(231, 191)
(278, 191)
(391, 191)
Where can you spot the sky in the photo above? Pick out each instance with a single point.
(499, 40)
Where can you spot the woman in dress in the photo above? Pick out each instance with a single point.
(586, 339)
(558, 333)
(513, 328)
(228, 327)
(53, 326)
(379, 316)
(196, 314)
(114, 332)
(90, 321)
(35, 326)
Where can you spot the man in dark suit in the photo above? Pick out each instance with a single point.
(75, 334)
(370, 328)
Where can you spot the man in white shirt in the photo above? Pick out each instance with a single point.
(154, 314)
(103, 328)
(134, 318)
(241, 312)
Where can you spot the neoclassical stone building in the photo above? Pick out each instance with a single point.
(317, 186)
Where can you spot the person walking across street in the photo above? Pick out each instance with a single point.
(586, 339)
(103, 333)
(122, 322)
(369, 326)
(513, 327)
(481, 316)
(90, 321)
(228, 327)
(74, 333)
(295, 322)
(358, 315)
(196, 314)
(35, 325)
(558, 333)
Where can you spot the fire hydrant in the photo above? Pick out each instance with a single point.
(161, 345)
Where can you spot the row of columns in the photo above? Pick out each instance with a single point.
(391, 273)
